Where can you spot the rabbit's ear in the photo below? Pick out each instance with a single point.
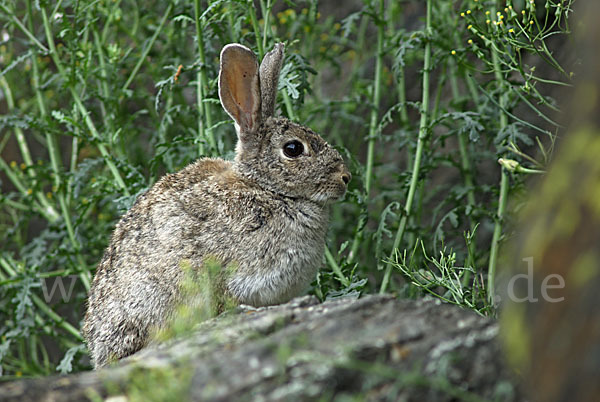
(269, 78)
(239, 88)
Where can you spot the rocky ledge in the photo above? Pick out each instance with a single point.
(376, 347)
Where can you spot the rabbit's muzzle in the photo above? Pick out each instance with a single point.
(341, 178)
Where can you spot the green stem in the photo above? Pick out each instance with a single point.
(373, 126)
(466, 168)
(23, 28)
(202, 87)
(404, 121)
(266, 11)
(14, 178)
(33, 350)
(73, 165)
(56, 163)
(502, 197)
(84, 112)
(472, 88)
(14, 204)
(147, 48)
(50, 212)
(115, 5)
(288, 106)
(336, 268)
(514, 166)
(55, 317)
(396, 14)
(254, 21)
(438, 95)
(57, 167)
(103, 83)
(40, 303)
(402, 98)
(423, 130)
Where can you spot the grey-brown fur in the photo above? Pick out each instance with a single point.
(266, 214)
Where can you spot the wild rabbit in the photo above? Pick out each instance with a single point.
(264, 215)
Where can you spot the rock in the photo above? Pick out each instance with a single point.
(378, 347)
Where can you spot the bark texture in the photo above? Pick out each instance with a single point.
(377, 347)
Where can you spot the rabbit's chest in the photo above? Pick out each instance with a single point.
(281, 258)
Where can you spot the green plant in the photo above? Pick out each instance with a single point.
(100, 99)
(170, 383)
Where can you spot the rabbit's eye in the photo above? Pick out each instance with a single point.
(293, 149)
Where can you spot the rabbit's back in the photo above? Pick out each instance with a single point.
(204, 211)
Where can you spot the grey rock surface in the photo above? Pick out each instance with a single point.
(376, 347)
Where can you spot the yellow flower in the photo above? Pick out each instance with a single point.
(511, 30)
(453, 52)
(29, 191)
(487, 13)
(462, 14)
(470, 41)
(470, 26)
(13, 164)
(22, 166)
(468, 11)
(487, 21)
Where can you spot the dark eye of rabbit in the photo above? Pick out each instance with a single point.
(293, 149)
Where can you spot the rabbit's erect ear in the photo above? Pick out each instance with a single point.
(239, 88)
(269, 78)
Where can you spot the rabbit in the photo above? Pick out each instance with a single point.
(264, 214)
